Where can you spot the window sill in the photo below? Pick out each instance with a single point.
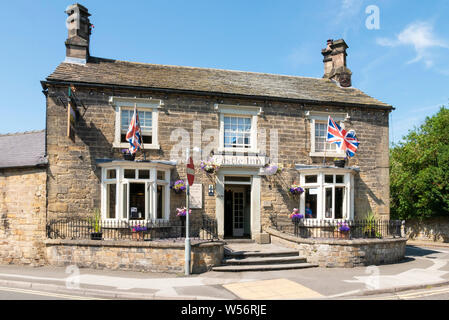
(146, 146)
(226, 151)
(327, 154)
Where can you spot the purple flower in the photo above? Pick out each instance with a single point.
(295, 189)
(343, 226)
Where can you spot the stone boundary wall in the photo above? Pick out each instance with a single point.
(337, 253)
(433, 229)
(22, 216)
(144, 256)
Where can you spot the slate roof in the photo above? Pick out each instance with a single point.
(24, 149)
(131, 74)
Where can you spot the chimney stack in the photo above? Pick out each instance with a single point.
(79, 30)
(335, 62)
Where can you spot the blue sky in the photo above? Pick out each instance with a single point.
(404, 63)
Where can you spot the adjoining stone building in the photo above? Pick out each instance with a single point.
(23, 176)
(245, 121)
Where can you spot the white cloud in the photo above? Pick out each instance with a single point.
(421, 36)
(348, 10)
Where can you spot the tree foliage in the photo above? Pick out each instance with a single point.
(419, 170)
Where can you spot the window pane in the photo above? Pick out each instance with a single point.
(160, 202)
(144, 174)
(147, 139)
(130, 173)
(311, 179)
(237, 179)
(328, 203)
(111, 192)
(320, 138)
(145, 118)
(329, 178)
(339, 197)
(160, 175)
(137, 200)
(311, 203)
(339, 179)
(111, 174)
(125, 201)
(237, 132)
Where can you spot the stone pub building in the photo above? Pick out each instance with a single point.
(244, 121)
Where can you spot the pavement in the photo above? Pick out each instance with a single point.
(422, 269)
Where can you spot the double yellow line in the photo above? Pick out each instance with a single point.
(411, 295)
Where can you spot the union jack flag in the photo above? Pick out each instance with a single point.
(134, 134)
(345, 140)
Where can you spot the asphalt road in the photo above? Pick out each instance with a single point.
(7, 293)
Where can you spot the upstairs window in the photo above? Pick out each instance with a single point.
(148, 110)
(320, 138)
(318, 133)
(238, 128)
(237, 132)
(146, 127)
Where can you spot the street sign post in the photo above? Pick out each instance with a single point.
(190, 169)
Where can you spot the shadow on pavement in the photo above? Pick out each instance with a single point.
(412, 251)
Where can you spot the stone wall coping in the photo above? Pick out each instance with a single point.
(340, 242)
(129, 243)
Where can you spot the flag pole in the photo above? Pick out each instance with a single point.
(325, 141)
(141, 135)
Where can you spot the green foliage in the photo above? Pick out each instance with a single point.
(370, 225)
(419, 170)
(95, 221)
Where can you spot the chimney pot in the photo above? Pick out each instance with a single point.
(335, 62)
(79, 30)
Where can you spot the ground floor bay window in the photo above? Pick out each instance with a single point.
(328, 193)
(135, 190)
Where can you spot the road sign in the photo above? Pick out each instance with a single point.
(190, 171)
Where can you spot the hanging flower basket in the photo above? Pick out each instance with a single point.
(296, 189)
(182, 212)
(178, 186)
(210, 166)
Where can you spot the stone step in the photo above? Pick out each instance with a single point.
(253, 254)
(232, 241)
(269, 267)
(264, 260)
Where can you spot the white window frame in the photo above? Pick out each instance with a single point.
(238, 111)
(148, 105)
(321, 185)
(150, 190)
(317, 116)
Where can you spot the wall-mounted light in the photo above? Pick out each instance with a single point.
(211, 190)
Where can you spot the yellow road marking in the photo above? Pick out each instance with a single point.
(42, 293)
(271, 290)
(410, 295)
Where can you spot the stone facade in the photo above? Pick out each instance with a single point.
(434, 229)
(22, 216)
(335, 253)
(133, 255)
(74, 178)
